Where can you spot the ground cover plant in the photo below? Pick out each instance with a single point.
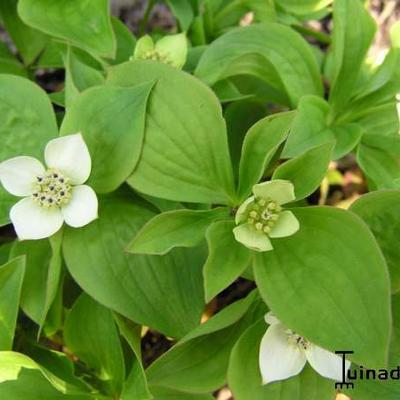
(205, 209)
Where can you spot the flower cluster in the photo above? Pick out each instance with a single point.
(261, 216)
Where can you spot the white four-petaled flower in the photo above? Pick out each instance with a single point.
(52, 195)
(284, 354)
(261, 216)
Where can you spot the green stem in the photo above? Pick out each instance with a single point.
(145, 20)
(320, 36)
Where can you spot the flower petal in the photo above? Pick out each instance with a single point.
(70, 155)
(327, 364)
(286, 225)
(278, 190)
(18, 174)
(241, 213)
(82, 208)
(271, 319)
(249, 237)
(175, 46)
(143, 46)
(33, 222)
(278, 359)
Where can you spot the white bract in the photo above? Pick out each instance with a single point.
(170, 49)
(284, 354)
(261, 216)
(52, 195)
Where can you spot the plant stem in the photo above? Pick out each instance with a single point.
(146, 15)
(320, 36)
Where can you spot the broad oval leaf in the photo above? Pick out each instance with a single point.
(185, 153)
(42, 276)
(279, 51)
(180, 228)
(311, 128)
(198, 363)
(29, 42)
(260, 144)
(112, 122)
(11, 277)
(302, 7)
(91, 334)
(28, 123)
(133, 285)
(306, 171)
(85, 24)
(227, 258)
(380, 211)
(333, 268)
(23, 378)
(354, 29)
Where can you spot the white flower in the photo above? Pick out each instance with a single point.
(261, 216)
(284, 354)
(52, 195)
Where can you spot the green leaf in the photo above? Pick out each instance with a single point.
(303, 7)
(135, 286)
(125, 41)
(261, 143)
(9, 64)
(380, 120)
(306, 171)
(135, 386)
(312, 128)
(85, 24)
(28, 41)
(227, 92)
(239, 117)
(11, 277)
(227, 258)
(244, 376)
(394, 353)
(42, 276)
(180, 228)
(354, 29)
(57, 363)
(379, 158)
(380, 212)
(5, 249)
(335, 270)
(78, 77)
(90, 333)
(161, 393)
(198, 363)
(270, 51)
(183, 12)
(383, 84)
(185, 134)
(28, 123)
(22, 378)
(110, 139)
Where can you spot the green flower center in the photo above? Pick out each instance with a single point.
(52, 189)
(155, 55)
(263, 214)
